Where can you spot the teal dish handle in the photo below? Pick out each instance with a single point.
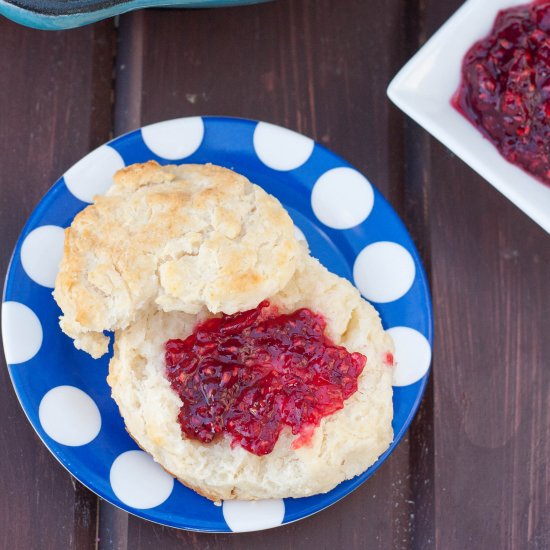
(30, 14)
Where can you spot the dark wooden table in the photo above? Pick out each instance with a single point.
(474, 470)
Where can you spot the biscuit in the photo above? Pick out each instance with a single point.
(186, 238)
(345, 443)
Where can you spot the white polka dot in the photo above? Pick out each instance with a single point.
(138, 481)
(69, 416)
(413, 355)
(281, 148)
(21, 332)
(342, 198)
(174, 139)
(253, 515)
(299, 234)
(41, 254)
(384, 272)
(93, 174)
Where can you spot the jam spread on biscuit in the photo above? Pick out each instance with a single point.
(250, 374)
(505, 88)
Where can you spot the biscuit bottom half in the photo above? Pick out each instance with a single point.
(343, 446)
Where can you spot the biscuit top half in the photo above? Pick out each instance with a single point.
(179, 238)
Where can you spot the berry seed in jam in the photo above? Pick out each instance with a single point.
(250, 374)
(505, 88)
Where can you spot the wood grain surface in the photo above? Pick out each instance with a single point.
(55, 105)
(473, 471)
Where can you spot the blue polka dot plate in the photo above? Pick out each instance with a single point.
(348, 225)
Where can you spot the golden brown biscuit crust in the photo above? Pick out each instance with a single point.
(185, 238)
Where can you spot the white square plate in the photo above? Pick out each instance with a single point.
(425, 85)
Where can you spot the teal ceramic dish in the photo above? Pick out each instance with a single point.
(67, 14)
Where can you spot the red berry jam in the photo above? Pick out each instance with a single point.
(505, 89)
(251, 373)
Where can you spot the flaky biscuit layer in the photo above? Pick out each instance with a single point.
(183, 238)
(343, 446)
